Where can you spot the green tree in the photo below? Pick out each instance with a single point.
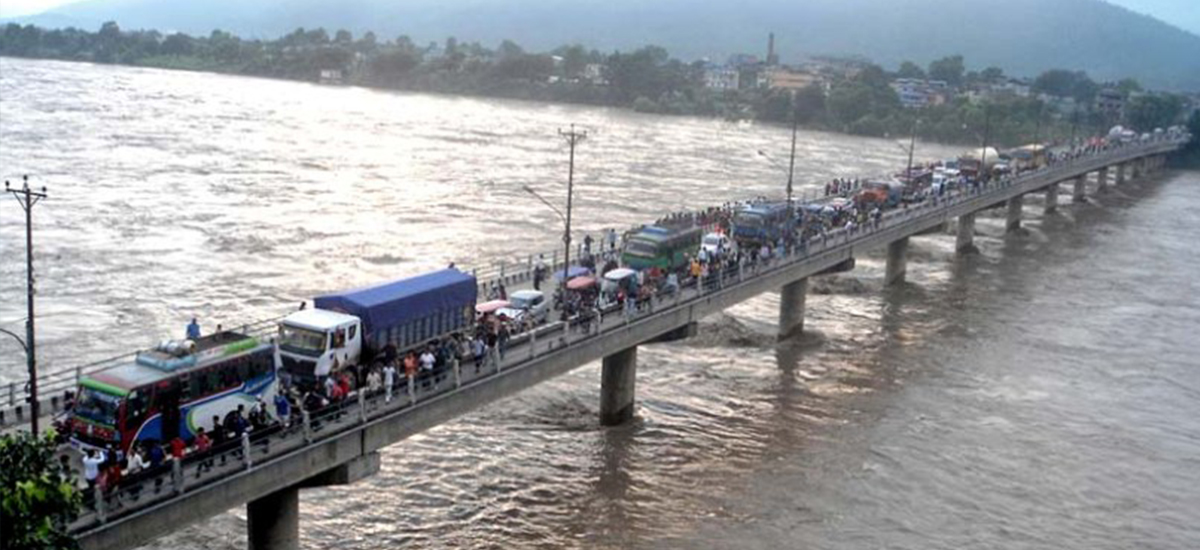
(992, 74)
(948, 69)
(1064, 83)
(908, 69)
(38, 496)
(1128, 86)
(1147, 112)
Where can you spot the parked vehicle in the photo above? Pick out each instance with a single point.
(351, 327)
(714, 242)
(767, 222)
(527, 304)
(171, 391)
(664, 248)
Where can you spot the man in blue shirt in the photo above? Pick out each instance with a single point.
(193, 330)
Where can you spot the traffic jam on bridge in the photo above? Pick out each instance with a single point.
(188, 412)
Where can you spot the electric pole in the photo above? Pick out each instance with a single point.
(792, 162)
(28, 198)
(573, 138)
(912, 144)
(987, 129)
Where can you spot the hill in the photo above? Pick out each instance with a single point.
(1024, 37)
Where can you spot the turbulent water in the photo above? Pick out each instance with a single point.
(1042, 394)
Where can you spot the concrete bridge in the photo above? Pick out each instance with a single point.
(268, 473)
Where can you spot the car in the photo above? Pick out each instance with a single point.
(527, 303)
(713, 242)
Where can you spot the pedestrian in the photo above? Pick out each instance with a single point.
(493, 349)
(91, 468)
(283, 410)
(389, 381)
(157, 458)
(193, 330)
(427, 361)
(478, 349)
(203, 450)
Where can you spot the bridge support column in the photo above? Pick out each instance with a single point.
(1015, 205)
(1102, 180)
(274, 520)
(617, 378)
(1051, 199)
(897, 262)
(1079, 192)
(965, 243)
(791, 308)
(1121, 171)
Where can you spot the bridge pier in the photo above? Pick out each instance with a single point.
(1102, 181)
(1051, 199)
(617, 380)
(1079, 192)
(1121, 171)
(1015, 205)
(897, 262)
(965, 242)
(791, 308)
(273, 521)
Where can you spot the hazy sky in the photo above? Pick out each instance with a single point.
(1181, 13)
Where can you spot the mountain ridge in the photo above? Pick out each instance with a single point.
(1023, 37)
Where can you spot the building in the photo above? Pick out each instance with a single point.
(1110, 103)
(594, 73)
(916, 93)
(772, 57)
(786, 78)
(721, 77)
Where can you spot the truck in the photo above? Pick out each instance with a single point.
(353, 327)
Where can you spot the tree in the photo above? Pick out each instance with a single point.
(1147, 112)
(992, 74)
(343, 37)
(908, 69)
(1063, 83)
(575, 59)
(948, 69)
(1128, 86)
(509, 49)
(177, 44)
(38, 496)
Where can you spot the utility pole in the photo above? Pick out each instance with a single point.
(912, 144)
(1074, 125)
(27, 198)
(573, 138)
(792, 162)
(987, 129)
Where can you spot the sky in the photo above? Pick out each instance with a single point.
(1184, 14)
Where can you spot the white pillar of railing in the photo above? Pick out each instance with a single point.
(532, 343)
(362, 405)
(12, 394)
(247, 460)
(101, 511)
(177, 475)
(306, 419)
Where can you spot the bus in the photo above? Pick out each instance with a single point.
(171, 391)
(664, 248)
(761, 223)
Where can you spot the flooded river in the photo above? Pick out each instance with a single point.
(1041, 394)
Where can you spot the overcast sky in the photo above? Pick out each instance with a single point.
(1181, 13)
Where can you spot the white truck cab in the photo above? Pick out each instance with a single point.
(316, 342)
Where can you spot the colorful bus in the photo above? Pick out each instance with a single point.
(661, 247)
(172, 390)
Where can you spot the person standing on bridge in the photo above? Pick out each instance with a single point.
(389, 380)
(91, 468)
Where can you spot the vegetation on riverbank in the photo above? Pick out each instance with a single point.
(858, 101)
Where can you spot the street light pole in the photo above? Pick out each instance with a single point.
(573, 138)
(27, 198)
(912, 144)
(792, 161)
(987, 129)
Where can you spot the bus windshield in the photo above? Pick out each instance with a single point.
(97, 406)
(302, 341)
(642, 248)
(749, 219)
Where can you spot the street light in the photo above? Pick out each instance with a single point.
(573, 138)
(27, 198)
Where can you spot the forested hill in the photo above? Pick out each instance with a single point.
(1024, 37)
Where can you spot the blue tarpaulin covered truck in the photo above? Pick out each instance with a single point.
(345, 327)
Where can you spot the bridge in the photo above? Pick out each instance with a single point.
(340, 446)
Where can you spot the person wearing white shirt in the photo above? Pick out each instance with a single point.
(91, 467)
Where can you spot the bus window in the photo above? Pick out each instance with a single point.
(243, 368)
(214, 379)
(135, 409)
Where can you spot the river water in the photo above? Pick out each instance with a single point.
(1041, 394)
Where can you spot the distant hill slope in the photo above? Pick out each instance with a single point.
(1020, 36)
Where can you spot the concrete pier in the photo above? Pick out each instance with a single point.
(897, 262)
(1079, 191)
(273, 521)
(791, 308)
(1121, 171)
(1051, 199)
(965, 243)
(617, 380)
(1015, 205)
(1102, 181)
